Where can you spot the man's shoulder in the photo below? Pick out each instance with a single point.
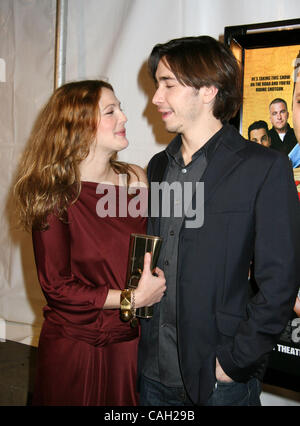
(275, 139)
(272, 131)
(158, 157)
(235, 141)
(290, 132)
(157, 165)
(257, 150)
(252, 150)
(262, 158)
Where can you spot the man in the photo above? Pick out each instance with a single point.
(207, 343)
(296, 99)
(258, 132)
(295, 153)
(282, 135)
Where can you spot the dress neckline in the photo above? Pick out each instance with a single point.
(101, 183)
(113, 184)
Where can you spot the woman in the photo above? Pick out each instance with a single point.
(87, 355)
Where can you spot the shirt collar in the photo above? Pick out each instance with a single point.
(174, 148)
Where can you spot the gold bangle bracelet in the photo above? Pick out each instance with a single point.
(126, 304)
(125, 300)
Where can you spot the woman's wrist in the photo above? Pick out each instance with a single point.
(128, 304)
(139, 300)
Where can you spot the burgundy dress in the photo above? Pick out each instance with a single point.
(86, 355)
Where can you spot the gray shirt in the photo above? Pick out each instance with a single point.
(162, 362)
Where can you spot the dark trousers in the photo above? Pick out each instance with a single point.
(153, 393)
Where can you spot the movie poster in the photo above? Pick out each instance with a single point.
(269, 74)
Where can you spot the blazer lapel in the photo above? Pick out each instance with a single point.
(159, 168)
(225, 160)
(156, 174)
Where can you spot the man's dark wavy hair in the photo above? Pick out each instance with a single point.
(203, 61)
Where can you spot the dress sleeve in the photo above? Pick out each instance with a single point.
(63, 290)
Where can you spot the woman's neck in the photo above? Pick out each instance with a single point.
(96, 169)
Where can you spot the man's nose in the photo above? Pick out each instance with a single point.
(157, 98)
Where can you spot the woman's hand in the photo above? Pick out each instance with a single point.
(151, 288)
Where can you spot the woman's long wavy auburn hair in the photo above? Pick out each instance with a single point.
(48, 178)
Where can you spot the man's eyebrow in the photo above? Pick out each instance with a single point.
(164, 78)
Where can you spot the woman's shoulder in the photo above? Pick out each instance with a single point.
(138, 174)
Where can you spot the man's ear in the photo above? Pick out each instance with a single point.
(209, 93)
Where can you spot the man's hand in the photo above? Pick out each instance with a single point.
(221, 376)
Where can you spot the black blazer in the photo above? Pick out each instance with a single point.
(288, 143)
(251, 211)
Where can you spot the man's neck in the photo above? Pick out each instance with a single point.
(283, 130)
(193, 141)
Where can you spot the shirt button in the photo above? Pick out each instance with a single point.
(172, 233)
(166, 262)
(183, 171)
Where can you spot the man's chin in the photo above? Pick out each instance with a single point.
(171, 129)
(281, 129)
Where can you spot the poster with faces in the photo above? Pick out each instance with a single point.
(268, 74)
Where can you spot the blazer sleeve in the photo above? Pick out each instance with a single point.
(64, 292)
(277, 273)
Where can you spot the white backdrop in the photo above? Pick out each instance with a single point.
(108, 39)
(27, 38)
